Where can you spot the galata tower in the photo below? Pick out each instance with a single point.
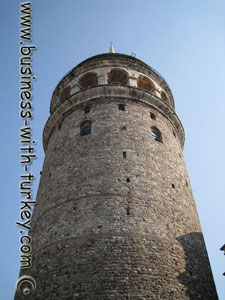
(115, 217)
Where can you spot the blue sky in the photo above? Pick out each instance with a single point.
(183, 40)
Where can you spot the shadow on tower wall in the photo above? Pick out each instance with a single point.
(197, 276)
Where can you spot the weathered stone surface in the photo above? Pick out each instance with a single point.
(109, 227)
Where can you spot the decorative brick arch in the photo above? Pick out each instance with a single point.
(145, 83)
(118, 76)
(88, 80)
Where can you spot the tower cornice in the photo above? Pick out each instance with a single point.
(113, 92)
(112, 60)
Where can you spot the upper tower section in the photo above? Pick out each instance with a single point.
(112, 69)
(112, 75)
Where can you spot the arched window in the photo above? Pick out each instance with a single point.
(145, 83)
(156, 134)
(88, 80)
(117, 76)
(164, 97)
(85, 128)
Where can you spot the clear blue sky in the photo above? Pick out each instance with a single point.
(183, 40)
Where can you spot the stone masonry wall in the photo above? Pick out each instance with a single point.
(107, 226)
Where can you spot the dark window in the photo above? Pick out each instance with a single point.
(128, 211)
(121, 107)
(117, 76)
(85, 128)
(88, 80)
(128, 179)
(145, 83)
(152, 116)
(87, 110)
(124, 154)
(156, 134)
(173, 186)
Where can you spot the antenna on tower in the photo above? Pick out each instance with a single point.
(111, 49)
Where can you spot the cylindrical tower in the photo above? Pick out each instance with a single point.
(115, 216)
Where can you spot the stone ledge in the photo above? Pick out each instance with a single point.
(115, 92)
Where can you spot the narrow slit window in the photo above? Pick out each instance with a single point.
(87, 110)
(124, 154)
(85, 128)
(121, 107)
(152, 116)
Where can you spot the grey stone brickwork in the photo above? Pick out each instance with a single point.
(115, 216)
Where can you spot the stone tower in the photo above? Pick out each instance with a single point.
(115, 216)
